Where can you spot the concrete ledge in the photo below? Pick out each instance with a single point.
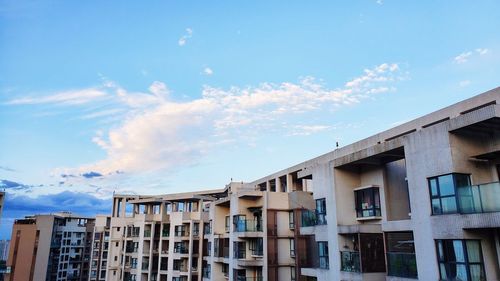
(359, 228)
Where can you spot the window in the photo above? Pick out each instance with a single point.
(460, 260)
(239, 223)
(196, 229)
(227, 223)
(292, 274)
(180, 230)
(225, 269)
(321, 211)
(239, 250)
(443, 192)
(292, 248)
(367, 202)
(323, 255)
(291, 219)
(256, 245)
(400, 249)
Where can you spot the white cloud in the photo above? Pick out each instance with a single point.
(208, 71)
(164, 134)
(306, 130)
(158, 132)
(464, 83)
(183, 40)
(463, 57)
(380, 2)
(482, 51)
(77, 97)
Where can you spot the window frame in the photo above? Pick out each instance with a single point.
(358, 202)
(323, 254)
(466, 261)
(321, 211)
(439, 197)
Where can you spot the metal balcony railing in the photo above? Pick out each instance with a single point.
(349, 261)
(483, 198)
(402, 265)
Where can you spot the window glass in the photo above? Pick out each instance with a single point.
(436, 206)
(446, 185)
(449, 205)
(434, 188)
(473, 251)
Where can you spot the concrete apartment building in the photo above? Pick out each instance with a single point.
(158, 237)
(420, 201)
(100, 248)
(50, 247)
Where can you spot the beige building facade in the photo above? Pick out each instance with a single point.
(417, 202)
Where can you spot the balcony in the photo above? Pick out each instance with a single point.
(402, 265)
(349, 261)
(147, 233)
(483, 198)
(248, 226)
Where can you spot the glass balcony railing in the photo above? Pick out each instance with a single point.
(248, 226)
(349, 261)
(483, 198)
(402, 265)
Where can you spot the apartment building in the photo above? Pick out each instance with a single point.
(50, 247)
(158, 237)
(2, 199)
(420, 201)
(100, 248)
(252, 235)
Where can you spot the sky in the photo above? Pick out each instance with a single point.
(160, 97)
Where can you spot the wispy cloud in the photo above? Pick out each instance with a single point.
(482, 51)
(8, 169)
(76, 97)
(306, 130)
(183, 40)
(158, 132)
(208, 71)
(166, 134)
(465, 56)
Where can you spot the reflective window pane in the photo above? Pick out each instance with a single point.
(449, 205)
(446, 185)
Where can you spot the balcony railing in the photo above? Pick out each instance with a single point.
(483, 198)
(248, 226)
(243, 278)
(181, 250)
(349, 261)
(308, 218)
(402, 265)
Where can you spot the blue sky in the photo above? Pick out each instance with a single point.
(103, 96)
